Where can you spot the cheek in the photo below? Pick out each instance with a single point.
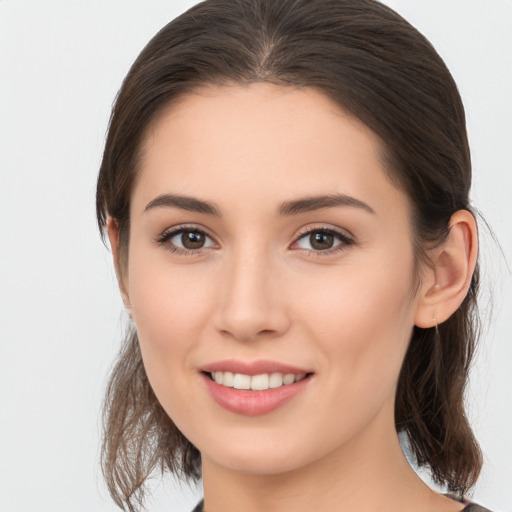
(362, 322)
(169, 310)
(168, 322)
(164, 297)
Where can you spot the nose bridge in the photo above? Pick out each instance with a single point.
(250, 304)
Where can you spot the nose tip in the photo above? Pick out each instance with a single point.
(250, 304)
(247, 329)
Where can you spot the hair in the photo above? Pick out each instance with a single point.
(374, 65)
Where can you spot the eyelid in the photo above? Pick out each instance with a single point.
(325, 227)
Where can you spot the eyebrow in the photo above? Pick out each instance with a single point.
(286, 209)
(190, 204)
(308, 204)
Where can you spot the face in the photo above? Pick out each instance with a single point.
(269, 249)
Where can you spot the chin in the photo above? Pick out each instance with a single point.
(259, 464)
(261, 455)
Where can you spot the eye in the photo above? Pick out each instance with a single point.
(323, 241)
(185, 240)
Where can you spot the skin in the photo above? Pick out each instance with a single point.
(258, 289)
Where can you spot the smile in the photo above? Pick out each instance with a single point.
(253, 395)
(255, 382)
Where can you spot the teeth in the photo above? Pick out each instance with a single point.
(276, 380)
(255, 382)
(288, 379)
(228, 379)
(259, 382)
(242, 381)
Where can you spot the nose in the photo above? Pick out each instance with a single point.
(251, 304)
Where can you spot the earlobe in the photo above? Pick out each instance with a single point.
(113, 236)
(448, 282)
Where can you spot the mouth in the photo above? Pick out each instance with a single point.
(259, 382)
(254, 388)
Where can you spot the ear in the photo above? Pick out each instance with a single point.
(113, 236)
(445, 286)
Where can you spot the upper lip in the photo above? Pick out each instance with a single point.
(253, 367)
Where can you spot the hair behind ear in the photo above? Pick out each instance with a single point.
(430, 397)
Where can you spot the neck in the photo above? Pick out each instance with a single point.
(368, 474)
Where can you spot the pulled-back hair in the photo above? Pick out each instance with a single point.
(374, 65)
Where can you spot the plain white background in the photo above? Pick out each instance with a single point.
(61, 64)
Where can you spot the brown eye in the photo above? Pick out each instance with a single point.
(321, 241)
(192, 239)
(186, 241)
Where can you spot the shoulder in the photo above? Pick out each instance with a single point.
(473, 507)
(470, 507)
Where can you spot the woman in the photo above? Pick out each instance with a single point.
(285, 188)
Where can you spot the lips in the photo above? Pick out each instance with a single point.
(254, 388)
(253, 367)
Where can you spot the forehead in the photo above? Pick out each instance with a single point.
(255, 112)
(260, 140)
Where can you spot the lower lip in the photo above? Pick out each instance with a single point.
(254, 403)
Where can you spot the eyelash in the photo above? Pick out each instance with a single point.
(342, 237)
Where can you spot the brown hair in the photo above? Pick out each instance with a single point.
(375, 65)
